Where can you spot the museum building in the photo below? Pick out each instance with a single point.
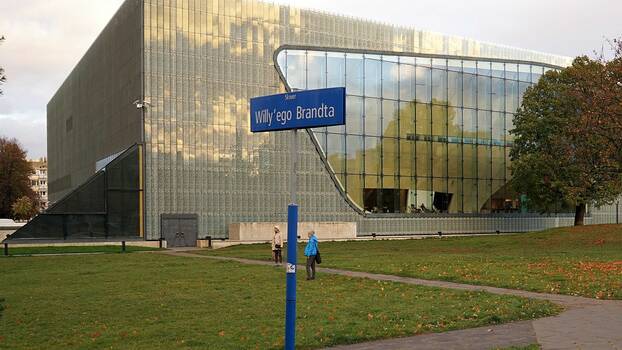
(149, 135)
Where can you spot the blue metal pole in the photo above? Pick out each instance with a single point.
(290, 298)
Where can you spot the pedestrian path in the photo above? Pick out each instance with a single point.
(586, 324)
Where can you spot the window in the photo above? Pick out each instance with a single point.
(69, 124)
(420, 131)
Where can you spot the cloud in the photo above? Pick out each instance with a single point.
(30, 132)
(44, 41)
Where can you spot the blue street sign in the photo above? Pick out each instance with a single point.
(299, 110)
(296, 110)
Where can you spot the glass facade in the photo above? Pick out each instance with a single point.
(425, 124)
(422, 134)
(412, 120)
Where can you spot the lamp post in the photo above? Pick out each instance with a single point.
(142, 104)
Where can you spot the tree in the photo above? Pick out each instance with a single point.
(14, 172)
(24, 208)
(2, 76)
(567, 136)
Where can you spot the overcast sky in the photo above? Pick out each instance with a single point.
(45, 39)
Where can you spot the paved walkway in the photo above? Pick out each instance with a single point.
(586, 324)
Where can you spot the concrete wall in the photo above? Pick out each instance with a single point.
(91, 116)
(263, 231)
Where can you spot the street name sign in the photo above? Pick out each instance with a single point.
(299, 110)
(292, 111)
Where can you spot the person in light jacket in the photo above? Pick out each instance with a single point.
(310, 253)
(277, 246)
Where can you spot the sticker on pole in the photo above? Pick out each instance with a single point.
(291, 268)
(298, 110)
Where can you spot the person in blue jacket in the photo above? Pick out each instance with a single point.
(311, 253)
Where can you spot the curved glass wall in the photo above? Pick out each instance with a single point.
(422, 134)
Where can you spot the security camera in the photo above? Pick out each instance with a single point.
(141, 104)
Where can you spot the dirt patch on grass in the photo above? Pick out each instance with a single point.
(613, 266)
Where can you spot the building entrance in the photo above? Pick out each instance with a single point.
(179, 230)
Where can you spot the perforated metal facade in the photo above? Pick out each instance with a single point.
(202, 61)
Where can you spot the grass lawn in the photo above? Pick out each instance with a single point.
(528, 347)
(153, 301)
(73, 249)
(583, 261)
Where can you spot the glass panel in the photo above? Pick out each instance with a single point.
(484, 127)
(296, 69)
(373, 77)
(354, 152)
(524, 72)
(439, 120)
(422, 124)
(536, 73)
(354, 115)
(454, 187)
(511, 96)
(439, 63)
(484, 162)
(390, 125)
(355, 188)
(439, 197)
(390, 78)
(439, 159)
(454, 160)
(336, 67)
(511, 71)
(454, 65)
(469, 188)
(336, 152)
(321, 140)
(423, 161)
(316, 68)
(425, 195)
(454, 124)
(469, 67)
(439, 86)
(498, 96)
(354, 74)
(483, 68)
(522, 87)
(372, 117)
(407, 157)
(389, 156)
(372, 155)
(407, 82)
(497, 70)
(469, 125)
(484, 193)
(469, 86)
(469, 161)
(498, 163)
(455, 89)
(282, 61)
(498, 129)
(483, 92)
(423, 84)
(424, 62)
(371, 195)
(407, 119)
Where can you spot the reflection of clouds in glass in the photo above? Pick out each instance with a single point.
(410, 110)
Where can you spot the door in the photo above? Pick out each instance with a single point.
(179, 230)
